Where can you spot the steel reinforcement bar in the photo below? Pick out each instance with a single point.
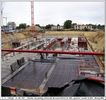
(52, 51)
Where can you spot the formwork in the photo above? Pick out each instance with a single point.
(30, 77)
(64, 68)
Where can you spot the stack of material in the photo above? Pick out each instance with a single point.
(82, 43)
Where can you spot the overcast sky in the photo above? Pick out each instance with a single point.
(55, 12)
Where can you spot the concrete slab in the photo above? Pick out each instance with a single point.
(30, 77)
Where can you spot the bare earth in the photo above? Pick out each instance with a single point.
(96, 39)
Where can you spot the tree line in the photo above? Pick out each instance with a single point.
(67, 25)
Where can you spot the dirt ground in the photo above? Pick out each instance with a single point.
(96, 39)
(6, 39)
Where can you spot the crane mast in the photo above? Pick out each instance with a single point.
(1, 15)
(33, 30)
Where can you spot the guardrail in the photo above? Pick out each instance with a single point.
(52, 51)
(27, 46)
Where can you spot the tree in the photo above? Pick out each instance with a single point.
(67, 24)
(22, 26)
(94, 26)
(38, 25)
(28, 26)
(99, 26)
(17, 27)
(48, 26)
(58, 25)
(102, 27)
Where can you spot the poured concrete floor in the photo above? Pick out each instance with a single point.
(65, 70)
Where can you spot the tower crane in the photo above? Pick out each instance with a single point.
(1, 11)
(33, 30)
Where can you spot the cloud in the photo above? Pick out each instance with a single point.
(56, 12)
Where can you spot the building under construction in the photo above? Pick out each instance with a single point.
(52, 66)
(56, 67)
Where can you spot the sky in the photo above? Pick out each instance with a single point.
(54, 12)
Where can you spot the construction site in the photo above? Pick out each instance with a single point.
(52, 63)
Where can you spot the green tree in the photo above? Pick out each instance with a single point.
(28, 26)
(48, 26)
(102, 27)
(22, 26)
(17, 27)
(94, 26)
(38, 25)
(67, 24)
(58, 25)
(99, 26)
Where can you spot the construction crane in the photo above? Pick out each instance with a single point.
(1, 11)
(2, 17)
(33, 30)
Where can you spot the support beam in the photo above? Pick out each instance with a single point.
(52, 51)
